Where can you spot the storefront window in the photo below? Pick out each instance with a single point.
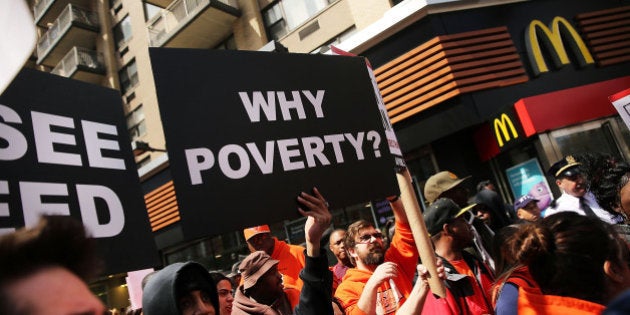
(595, 136)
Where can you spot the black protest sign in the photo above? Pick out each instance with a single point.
(64, 149)
(248, 131)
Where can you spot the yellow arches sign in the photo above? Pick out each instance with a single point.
(501, 125)
(555, 38)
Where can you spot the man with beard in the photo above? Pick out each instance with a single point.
(575, 195)
(338, 248)
(382, 280)
(471, 280)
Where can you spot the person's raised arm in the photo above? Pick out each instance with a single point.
(318, 220)
(316, 295)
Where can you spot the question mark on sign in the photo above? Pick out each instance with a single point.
(376, 141)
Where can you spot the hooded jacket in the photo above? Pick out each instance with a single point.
(159, 295)
(493, 201)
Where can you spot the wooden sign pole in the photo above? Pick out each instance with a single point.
(419, 230)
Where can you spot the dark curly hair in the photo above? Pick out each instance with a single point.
(607, 175)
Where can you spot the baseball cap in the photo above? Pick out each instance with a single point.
(523, 201)
(439, 183)
(440, 212)
(566, 167)
(251, 231)
(255, 266)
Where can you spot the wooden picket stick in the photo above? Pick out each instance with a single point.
(419, 230)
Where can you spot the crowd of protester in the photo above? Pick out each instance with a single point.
(492, 257)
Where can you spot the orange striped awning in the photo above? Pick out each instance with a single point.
(447, 66)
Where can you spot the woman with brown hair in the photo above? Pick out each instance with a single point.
(578, 263)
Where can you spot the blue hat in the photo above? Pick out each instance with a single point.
(523, 201)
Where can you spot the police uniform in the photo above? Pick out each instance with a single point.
(587, 205)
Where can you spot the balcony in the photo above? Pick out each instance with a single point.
(46, 11)
(73, 27)
(82, 64)
(193, 23)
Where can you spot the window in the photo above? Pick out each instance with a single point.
(136, 124)
(122, 32)
(128, 77)
(335, 40)
(286, 15)
(150, 11)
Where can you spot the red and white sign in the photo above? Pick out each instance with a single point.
(621, 101)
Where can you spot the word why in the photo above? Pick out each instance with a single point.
(267, 103)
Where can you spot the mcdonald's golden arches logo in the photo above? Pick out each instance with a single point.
(501, 125)
(553, 36)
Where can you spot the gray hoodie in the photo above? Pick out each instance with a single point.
(161, 292)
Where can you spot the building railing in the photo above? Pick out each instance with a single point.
(71, 14)
(175, 14)
(80, 57)
(40, 8)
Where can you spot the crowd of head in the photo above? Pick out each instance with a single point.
(492, 257)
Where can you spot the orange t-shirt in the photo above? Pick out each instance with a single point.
(292, 261)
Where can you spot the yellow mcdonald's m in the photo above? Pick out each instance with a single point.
(558, 30)
(501, 124)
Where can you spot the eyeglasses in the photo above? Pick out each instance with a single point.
(367, 238)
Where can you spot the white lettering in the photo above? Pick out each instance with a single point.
(253, 106)
(199, 159)
(286, 105)
(224, 161)
(94, 145)
(335, 140)
(357, 143)
(316, 101)
(4, 207)
(87, 194)
(45, 139)
(17, 142)
(286, 154)
(32, 204)
(264, 164)
(314, 147)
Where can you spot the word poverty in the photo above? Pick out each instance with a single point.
(51, 133)
(295, 153)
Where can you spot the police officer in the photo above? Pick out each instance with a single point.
(575, 195)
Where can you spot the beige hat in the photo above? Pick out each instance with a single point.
(439, 183)
(255, 266)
